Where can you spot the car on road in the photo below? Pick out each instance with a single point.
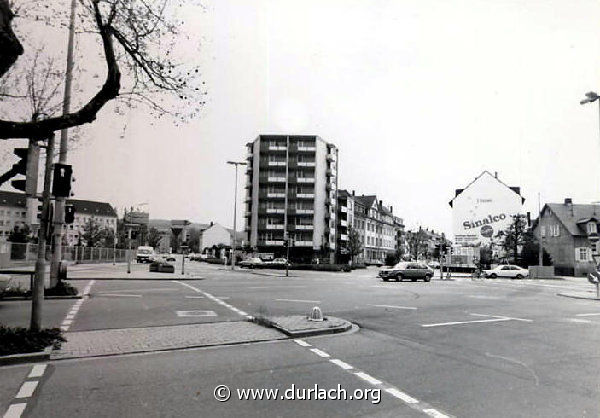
(251, 262)
(434, 265)
(507, 270)
(161, 267)
(145, 254)
(170, 258)
(409, 270)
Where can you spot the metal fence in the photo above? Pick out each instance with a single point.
(12, 252)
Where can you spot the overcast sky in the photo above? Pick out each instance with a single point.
(419, 96)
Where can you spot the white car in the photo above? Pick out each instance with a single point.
(507, 270)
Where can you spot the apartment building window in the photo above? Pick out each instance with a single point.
(592, 228)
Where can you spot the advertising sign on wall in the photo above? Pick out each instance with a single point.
(481, 210)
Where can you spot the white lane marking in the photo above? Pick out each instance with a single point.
(64, 328)
(27, 390)
(302, 343)
(434, 413)
(15, 410)
(502, 317)
(120, 295)
(401, 395)
(368, 378)
(298, 300)
(195, 313)
(67, 322)
(395, 307)
(223, 297)
(37, 371)
(194, 297)
(340, 363)
(579, 321)
(319, 352)
(442, 324)
(70, 316)
(220, 302)
(588, 314)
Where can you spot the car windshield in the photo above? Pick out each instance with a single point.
(401, 265)
(144, 251)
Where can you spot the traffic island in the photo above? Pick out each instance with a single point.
(297, 326)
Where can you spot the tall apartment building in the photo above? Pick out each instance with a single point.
(292, 193)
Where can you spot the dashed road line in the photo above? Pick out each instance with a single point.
(120, 295)
(70, 317)
(215, 299)
(37, 371)
(588, 314)
(491, 318)
(410, 401)
(342, 364)
(185, 314)
(27, 389)
(15, 410)
(368, 378)
(319, 352)
(194, 297)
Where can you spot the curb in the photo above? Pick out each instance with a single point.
(156, 279)
(19, 298)
(303, 333)
(566, 295)
(26, 357)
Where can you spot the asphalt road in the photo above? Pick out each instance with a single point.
(493, 348)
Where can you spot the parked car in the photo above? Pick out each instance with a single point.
(251, 262)
(407, 270)
(170, 258)
(507, 270)
(279, 262)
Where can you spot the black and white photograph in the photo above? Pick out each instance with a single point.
(300, 208)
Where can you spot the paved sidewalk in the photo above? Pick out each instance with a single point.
(136, 340)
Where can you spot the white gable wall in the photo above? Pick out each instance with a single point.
(215, 235)
(482, 209)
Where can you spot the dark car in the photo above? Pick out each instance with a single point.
(407, 270)
(162, 267)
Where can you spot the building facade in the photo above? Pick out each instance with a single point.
(569, 233)
(380, 232)
(483, 208)
(292, 193)
(13, 213)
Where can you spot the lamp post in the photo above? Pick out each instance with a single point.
(591, 97)
(235, 163)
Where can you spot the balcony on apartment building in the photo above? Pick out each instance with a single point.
(302, 227)
(303, 243)
(274, 226)
(343, 237)
(302, 211)
(272, 178)
(279, 146)
(270, 243)
(272, 194)
(343, 222)
(276, 163)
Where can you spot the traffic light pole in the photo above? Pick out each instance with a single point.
(37, 291)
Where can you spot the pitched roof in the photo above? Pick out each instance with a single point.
(570, 215)
(367, 201)
(81, 206)
(517, 190)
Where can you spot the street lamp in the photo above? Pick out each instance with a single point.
(590, 97)
(235, 163)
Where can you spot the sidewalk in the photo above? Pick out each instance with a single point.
(137, 340)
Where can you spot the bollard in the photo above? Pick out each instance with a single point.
(316, 314)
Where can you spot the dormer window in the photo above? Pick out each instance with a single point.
(592, 228)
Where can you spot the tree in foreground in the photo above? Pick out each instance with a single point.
(355, 246)
(136, 40)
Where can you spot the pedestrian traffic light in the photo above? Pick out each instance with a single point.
(61, 184)
(69, 214)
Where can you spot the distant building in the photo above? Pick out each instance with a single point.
(13, 213)
(378, 229)
(479, 211)
(292, 191)
(569, 233)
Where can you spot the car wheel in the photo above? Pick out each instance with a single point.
(399, 278)
(427, 278)
(518, 276)
(493, 276)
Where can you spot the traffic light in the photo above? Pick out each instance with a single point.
(61, 183)
(436, 251)
(69, 214)
(20, 168)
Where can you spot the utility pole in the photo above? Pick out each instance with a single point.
(234, 238)
(59, 212)
(37, 291)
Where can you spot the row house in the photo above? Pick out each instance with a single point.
(379, 231)
(292, 195)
